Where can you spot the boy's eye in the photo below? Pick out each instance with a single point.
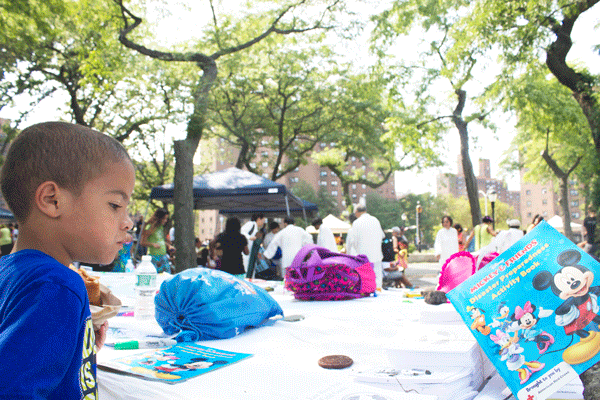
(114, 206)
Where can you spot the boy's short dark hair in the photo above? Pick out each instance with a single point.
(317, 221)
(68, 154)
(273, 225)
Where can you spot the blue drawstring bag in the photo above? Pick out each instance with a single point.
(206, 304)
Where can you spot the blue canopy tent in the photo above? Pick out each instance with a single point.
(234, 191)
(6, 214)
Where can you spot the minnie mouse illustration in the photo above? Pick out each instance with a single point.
(573, 284)
(525, 319)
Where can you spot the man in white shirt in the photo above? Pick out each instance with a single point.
(365, 238)
(249, 229)
(291, 239)
(507, 238)
(325, 237)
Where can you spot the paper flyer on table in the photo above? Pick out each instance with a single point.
(534, 311)
(174, 364)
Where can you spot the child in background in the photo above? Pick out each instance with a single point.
(68, 187)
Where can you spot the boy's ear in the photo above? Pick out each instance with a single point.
(49, 199)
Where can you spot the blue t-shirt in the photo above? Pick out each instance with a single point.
(46, 332)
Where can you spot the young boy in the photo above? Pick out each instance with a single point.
(68, 187)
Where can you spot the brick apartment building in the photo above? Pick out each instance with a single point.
(211, 223)
(532, 199)
(454, 184)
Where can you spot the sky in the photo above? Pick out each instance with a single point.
(491, 146)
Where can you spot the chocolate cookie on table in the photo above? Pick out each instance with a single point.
(335, 362)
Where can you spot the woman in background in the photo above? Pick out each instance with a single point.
(233, 244)
(446, 241)
(153, 237)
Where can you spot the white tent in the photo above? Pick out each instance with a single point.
(557, 223)
(335, 224)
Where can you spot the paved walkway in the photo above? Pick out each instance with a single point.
(423, 274)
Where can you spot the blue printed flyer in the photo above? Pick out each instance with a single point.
(534, 311)
(174, 364)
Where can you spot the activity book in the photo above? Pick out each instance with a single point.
(534, 311)
(174, 364)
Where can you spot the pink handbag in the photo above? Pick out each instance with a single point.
(320, 274)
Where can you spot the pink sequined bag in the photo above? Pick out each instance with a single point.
(320, 274)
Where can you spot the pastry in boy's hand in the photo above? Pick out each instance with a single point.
(92, 285)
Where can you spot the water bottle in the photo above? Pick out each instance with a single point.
(145, 288)
(129, 267)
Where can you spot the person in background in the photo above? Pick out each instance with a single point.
(341, 245)
(589, 223)
(482, 233)
(15, 233)
(350, 250)
(172, 234)
(536, 220)
(69, 187)
(215, 252)
(365, 238)
(199, 247)
(6, 243)
(506, 238)
(325, 237)
(233, 244)
(249, 230)
(446, 241)
(153, 237)
(276, 260)
(124, 255)
(291, 239)
(461, 239)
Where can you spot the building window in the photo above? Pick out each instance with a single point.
(544, 191)
(265, 175)
(323, 173)
(294, 179)
(333, 183)
(573, 192)
(529, 204)
(265, 154)
(334, 192)
(545, 201)
(528, 192)
(545, 213)
(297, 169)
(529, 215)
(353, 158)
(575, 215)
(323, 183)
(322, 145)
(265, 164)
(345, 173)
(264, 142)
(353, 196)
(354, 186)
(364, 186)
(575, 203)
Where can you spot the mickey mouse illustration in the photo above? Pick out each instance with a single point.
(525, 321)
(573, 284)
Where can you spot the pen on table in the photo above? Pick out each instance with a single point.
(145, 344)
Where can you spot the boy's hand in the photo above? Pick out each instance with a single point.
(101, 335)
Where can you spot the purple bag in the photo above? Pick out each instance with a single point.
(320, 274)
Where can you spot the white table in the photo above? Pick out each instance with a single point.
(285, 354)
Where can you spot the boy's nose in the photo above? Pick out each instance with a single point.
(128, 223)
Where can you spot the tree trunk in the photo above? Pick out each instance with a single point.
(564, 205)
(470, 179)
(183, 200)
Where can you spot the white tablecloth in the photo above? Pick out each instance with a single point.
(285, 357)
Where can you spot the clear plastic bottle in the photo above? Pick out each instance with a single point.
(145, 288)
(129, 267)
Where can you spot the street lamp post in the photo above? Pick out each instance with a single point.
(419, 211)
(493, 196)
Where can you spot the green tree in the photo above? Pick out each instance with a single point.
(446, 62)
(551, 124)
(326, 203)
(222, 37)
(275, 98)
